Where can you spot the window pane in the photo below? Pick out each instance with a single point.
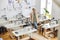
(43, 5)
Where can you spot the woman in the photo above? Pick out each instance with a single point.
(34, 18)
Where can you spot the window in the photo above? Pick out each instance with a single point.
(43, 5)
(46, 4)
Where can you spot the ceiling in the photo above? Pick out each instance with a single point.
(57, 2)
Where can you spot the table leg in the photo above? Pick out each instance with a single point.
(18, 38)
(44, 32)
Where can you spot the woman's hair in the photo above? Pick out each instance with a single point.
(33, 9)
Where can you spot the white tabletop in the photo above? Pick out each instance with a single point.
(46, 26)
(3, 21)
(12, 25)
(12, 19)
(43, 20)
(23, 31)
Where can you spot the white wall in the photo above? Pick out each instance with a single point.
(37, 2)
(55, 11)
(3, 3)
(9, 11)
(55, 8)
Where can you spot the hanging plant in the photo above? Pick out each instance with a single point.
(46, 11)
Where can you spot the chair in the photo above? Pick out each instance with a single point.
(3, 29)
(47, 33)
(0, 30)
(54, 33)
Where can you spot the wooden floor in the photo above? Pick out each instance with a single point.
(7, 37)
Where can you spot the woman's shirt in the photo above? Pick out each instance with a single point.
(34, 18)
